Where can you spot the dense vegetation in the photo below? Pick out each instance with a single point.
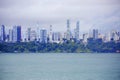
(69, 47)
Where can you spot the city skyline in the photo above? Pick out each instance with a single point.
(49, 35)
(103, 14)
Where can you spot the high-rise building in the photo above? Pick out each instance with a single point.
(43, 36)
(68, 30)
(56, 36)
(10, 35)
(19, 33)
(114, 35)
(73, 33)
(85, 37)
(50, 34)
(77, 31)
(33, 35)
(38, 34)
(16, 33)
(65, 35)
(28, 34)
(118, 33)
(108, 37)
(2, 33)
(95, 33)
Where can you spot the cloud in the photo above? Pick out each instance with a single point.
(46, 12)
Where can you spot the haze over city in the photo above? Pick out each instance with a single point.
(101, 14)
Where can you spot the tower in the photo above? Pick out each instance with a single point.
(95, 33)
(2, 33)
(77, 31)
(50, 34)
(43, 36)
(28, 34)
(16, 33)
(68, 30)
(10, 35)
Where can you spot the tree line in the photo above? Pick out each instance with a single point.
(65, 47)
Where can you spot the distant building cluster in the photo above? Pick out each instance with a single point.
(45, 36)
(13, 36)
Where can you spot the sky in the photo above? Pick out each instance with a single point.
(99, 14)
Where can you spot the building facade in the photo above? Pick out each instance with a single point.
(95, 33)
(77, 31)
(68, 30)
(10, 35)
(2, 33)
(16, 33)
(43, 36)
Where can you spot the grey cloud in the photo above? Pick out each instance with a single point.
(46, 12)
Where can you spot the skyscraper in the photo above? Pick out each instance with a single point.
(16, 33)
(10, 35)
(43, 36)
(50, 34)
(2, 33)
(28, 34)
(68, 30)
(95, 33)
(77, 31)
(33, 35)
(56, 36)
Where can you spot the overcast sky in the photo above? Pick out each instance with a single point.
(101, 14)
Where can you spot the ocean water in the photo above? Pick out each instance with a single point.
(59, 66)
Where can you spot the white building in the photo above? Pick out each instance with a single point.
(85, 37)
(50, 34)
(68, 33)
(10, 35)
(77, 31)
(57, 37)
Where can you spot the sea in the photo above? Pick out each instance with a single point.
(59, 66)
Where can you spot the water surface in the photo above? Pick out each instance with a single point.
(54, 66)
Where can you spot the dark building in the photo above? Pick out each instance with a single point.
(19, 33)
(16, 33)
(2, 33)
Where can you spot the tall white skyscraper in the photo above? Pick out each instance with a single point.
(50, 34)
(33, 35)
(95, 33)
(56, 37)
(10, 35)
(68, 30)
(77, 31)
